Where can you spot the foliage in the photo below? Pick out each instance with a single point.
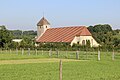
(54, 46)
(31, 32)
(5, 37)
(100, 28)
(2, 27)
(17, 34)
(105, 36)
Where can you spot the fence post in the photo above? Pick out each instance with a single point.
(105, 53)
(98, 55)
(42, 52)
(77, 54)
(57, 53)
(66, 54)
(60, 70)
(28, 51)
(0, 50)
(6, 51)
(50, 52)
(86, 54)
(36, 51)
(10, 51)
(113, 55)
(22, 51)
(16, 51)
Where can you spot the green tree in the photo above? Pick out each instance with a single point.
(5, 37)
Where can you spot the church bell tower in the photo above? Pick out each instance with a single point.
(42, 26)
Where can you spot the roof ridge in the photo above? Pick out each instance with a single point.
(67, 27)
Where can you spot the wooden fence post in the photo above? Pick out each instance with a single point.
(105, 54)
(28, 51)
(66, 54)
(77, 54)
(86, 54)
(60, 70)
(98, 55)
(10, 51)
(42, 52)
(16, 51)
(113, 55)
(36, 51)
(57, 53)
(0, 50)
(50, 52)
(22, 51)
(6, 51)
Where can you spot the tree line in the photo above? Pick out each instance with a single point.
(103, 34)
(6, 37)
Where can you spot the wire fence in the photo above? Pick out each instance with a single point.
(79, 55)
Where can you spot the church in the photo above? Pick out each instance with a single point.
(72, 34)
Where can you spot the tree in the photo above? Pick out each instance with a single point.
(2, 27)
(5, 37)
(106, 36)
(116, 42)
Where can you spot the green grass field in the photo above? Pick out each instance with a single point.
(42, 67)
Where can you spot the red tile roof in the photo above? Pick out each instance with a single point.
(64, 34)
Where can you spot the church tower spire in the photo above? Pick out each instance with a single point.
(42, 26)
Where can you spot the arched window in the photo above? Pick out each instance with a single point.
(83, 42)
(46, 26)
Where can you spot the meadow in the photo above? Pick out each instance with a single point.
(44, 66)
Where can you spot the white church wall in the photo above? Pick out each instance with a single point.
(79, 39)
(41, 30)
(93, 43)
(75, 40)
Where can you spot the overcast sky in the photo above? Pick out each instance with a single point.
(24, 14)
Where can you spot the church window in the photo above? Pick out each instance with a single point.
(83, 42)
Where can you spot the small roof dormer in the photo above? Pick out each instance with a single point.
(42, 22)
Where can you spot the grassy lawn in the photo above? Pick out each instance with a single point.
(43, 67)
(77, 70)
